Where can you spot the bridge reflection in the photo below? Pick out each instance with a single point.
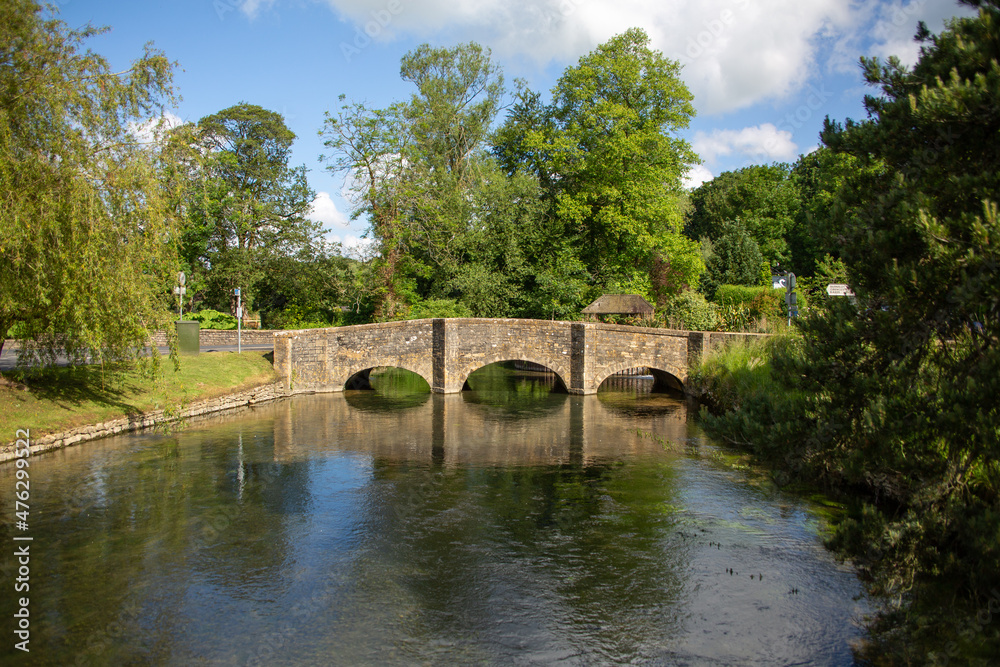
(453, 430)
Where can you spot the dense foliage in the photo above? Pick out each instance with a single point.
(87, 237)
(894, 397)
(563, 202)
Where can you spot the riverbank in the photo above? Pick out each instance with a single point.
(65, 406)
(929, 567)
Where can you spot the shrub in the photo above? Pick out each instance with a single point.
(760, 301)
(437, 308)
(213, 319)
(690, 310)
(295, 317)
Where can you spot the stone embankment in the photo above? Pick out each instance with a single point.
(252, 396)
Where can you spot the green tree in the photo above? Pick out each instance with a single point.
(246, 206)
(370, 148)
(897, 394)
(735, 259)
(86, 232)
(416, 169)
(762, 197)
(617, 113)
(607, 155)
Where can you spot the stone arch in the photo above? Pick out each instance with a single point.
(665, 377)
(561, 383)
(359, 375)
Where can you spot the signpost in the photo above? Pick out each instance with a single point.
(239, 322)
(839, 290)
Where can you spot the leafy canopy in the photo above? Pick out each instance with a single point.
(87, 235)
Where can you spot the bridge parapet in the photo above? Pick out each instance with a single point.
(446, 351)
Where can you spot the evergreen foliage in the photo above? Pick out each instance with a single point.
(894, 396)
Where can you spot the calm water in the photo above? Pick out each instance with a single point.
(503, 526)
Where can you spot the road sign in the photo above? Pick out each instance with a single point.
(839, 290)
(181, 278)
(236, 291)
(778, 282)
(180, 290)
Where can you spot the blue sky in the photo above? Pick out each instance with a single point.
(764, 72)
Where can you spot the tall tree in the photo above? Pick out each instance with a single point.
(246, 205)
(86, 233)
(607, 150)
(415, 168)
(898, 394)
(370, 148)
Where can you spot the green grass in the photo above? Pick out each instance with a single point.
(63, 398)
(728, 374)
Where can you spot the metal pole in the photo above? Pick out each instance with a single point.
(239, 322)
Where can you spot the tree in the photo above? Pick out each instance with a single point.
(762, 197)
(370, 148)
(606, 152)
(246, 206)
(86, 233)
(415, 168)
(895, 397)
(735, 259)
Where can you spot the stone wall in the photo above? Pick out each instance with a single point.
(210, 337)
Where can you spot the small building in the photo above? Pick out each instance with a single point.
(618, 304)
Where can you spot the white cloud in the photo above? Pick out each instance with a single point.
(759, 143)
(150, 130)
(354, 246)
(735, 52)
(896, 24)
(325, 211)
(695, 176)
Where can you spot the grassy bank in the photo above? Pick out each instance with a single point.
(929, 565)
(62, 398)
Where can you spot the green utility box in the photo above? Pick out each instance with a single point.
(188, 337)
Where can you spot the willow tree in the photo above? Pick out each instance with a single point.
(87, 241)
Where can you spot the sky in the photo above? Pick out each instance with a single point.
(764, 73)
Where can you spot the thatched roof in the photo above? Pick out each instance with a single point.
(619, 304)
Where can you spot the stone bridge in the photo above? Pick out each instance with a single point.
(445, 351)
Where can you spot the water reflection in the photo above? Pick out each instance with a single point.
(365, 528)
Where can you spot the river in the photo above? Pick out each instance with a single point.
(507, 525)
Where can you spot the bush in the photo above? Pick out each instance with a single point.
(690, 310)
(213, 319)
(437, 308)
(754, 303)
(295, 317)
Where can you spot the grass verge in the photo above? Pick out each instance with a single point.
(62, 398)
